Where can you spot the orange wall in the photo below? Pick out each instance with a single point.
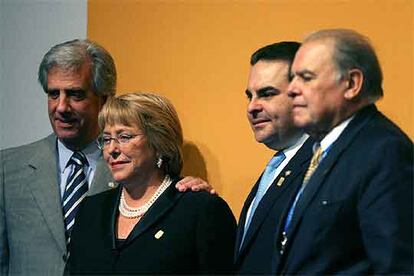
(196, 53)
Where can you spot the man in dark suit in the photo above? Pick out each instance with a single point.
(354, 212)
(77, 77)
(269, 112)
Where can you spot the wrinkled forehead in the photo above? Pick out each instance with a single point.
(267, 73)
(314, 54)
(81, 72)
(270, 67)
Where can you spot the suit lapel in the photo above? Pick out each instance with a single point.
(326, 165)
(162, 205)
(113, 215)
(102, 179)
(45, 188)
(286, 178)
(243, 214)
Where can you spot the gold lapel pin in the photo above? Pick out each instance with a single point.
(280, 182)
(159, 234)
(282, 178)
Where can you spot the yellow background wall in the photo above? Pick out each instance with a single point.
(196, 52)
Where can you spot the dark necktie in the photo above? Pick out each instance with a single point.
(75, 191)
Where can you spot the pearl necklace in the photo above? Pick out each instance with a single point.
(136, 212)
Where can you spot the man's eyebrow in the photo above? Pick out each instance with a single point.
(303, 72)
(266, 89)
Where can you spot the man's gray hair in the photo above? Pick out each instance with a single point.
(354, 51)
(71, 55)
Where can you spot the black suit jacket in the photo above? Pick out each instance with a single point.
(198, 233)
(255, 256)
(356, 213)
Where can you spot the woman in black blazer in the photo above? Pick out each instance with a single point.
(145, 226)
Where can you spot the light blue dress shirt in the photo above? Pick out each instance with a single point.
(92, 153)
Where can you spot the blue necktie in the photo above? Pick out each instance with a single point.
(267, 176)
(318, 155)
(75, 191)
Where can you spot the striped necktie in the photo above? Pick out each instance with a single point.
(75, 191)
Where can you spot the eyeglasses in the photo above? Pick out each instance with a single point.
(121, 139)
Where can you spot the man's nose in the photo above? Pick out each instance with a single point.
(293, 89)
(254, 106)
(63, 103)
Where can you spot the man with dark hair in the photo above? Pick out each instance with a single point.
(354, 211)
(269, 112)
(42, 184)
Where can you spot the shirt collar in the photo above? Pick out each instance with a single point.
(91, 151)
(291, 151)
(333, 135)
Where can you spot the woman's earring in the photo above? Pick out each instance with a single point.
(159, 162)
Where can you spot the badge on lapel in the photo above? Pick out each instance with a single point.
(282, 178)
(112, 185)
(159, 234)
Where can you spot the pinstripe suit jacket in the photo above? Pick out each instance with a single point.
(32, 237)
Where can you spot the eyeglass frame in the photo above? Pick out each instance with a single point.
(117, 139)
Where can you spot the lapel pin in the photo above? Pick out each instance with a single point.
(282, 179)
(111, 185)
(159, 234)
(280, 182)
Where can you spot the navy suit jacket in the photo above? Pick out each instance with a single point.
(255, 256)
(182, 233)
(356, 213)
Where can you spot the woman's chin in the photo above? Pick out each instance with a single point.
(121, 179)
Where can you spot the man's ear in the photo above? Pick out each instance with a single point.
(354, 84)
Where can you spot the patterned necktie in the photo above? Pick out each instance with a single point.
(316, 159)
(264, 183)
(75, 191)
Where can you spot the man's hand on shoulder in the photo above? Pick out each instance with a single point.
(194, 184)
